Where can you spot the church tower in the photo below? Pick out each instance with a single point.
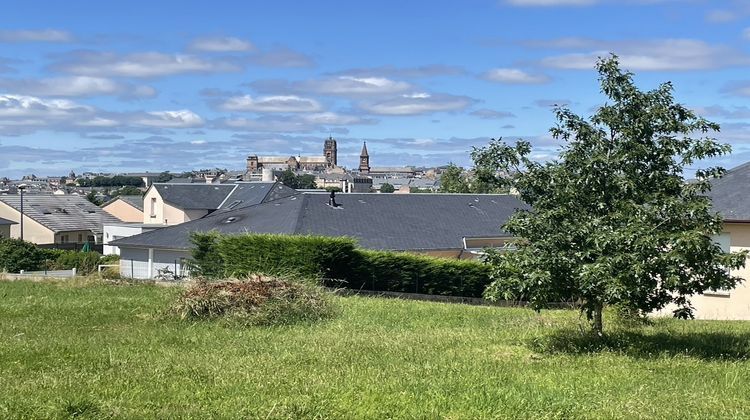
(330, 152)
(364, 160)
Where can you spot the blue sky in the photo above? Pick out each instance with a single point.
(168, 85)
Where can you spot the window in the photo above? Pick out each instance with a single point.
(153, 206)
(724, 240)
(80, 238)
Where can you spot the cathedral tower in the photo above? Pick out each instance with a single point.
(364, 160)
(330, 152)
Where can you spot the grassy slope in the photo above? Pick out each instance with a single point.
(107, 352)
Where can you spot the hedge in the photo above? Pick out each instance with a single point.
(338, 261)
(17, 255)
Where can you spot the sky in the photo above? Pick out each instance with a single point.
(135, 86)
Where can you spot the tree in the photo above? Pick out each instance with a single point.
(387, 188)
(306, 182)
(289, 179)
(127, 190)
(452, 181)
(164, 177)
(612, 220)
(92, 197)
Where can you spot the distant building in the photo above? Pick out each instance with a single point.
(328, 160)
(172, 204)
(128, 208)
(52, 219)
(364, 160)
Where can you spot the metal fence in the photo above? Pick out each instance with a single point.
(74, 246)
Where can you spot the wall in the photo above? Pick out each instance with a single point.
(124, 211)
(113, 232)
(134, 262)
(74, 236)
(165, 213)
(33, 231)
(735, 303)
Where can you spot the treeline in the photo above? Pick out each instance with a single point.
(114, 181)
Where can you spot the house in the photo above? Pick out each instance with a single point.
(731, 198)
(128, 208)
(5, 228)
(123, 230)
(171, 204)
(55, 219)
(443, 225)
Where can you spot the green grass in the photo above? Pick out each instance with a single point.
(105, 351)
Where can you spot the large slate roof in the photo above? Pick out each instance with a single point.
(221, 196)
(377, 221)
(729, 194)
(62, 213)
(194, 196)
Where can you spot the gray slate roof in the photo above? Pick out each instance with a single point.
(377, 221)
(62, 213)
(221, 196)
(194, 196)
(6, 222)
(729, 194)
(134, 200)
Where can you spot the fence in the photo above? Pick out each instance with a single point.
(56, 274)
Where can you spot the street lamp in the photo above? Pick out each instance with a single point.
(21, 188)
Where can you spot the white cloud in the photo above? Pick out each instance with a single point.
(43, 35)
(417, 103)
(514, 76)
(305, 123)
(150, 64)
(221, 44)
(170, 119)
(346, 86)
(72, 86)
(652, 55)
(14, 106)
(283, 103)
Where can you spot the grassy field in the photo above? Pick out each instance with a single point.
(106, 351)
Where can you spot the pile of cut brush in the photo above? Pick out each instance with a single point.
(257, 300)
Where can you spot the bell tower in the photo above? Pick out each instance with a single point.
(364, 160)
(330, 152)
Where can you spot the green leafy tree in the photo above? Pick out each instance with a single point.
(387, 188)
(289, 179)
(306, 182)
(127, 190)
(164, 177)
(91, 196)
(613, 220)
(452, 180)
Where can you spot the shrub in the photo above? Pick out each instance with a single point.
(414, 273)
(258, 300)
(220, 256)
(338, 261)
(17, 255)
(83, 262)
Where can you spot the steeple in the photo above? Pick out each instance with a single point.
(330, 152)
(364, 160)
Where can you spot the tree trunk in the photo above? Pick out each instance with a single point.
(596, 320)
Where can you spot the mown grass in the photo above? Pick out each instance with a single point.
(104, 351)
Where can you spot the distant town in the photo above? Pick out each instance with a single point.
(320, 172)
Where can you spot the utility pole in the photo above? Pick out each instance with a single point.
(21, 188)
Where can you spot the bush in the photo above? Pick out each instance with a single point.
(338, 261)
(83, 262)
(414, 273)
(221, 256)
(256, 301)
(17, 255)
